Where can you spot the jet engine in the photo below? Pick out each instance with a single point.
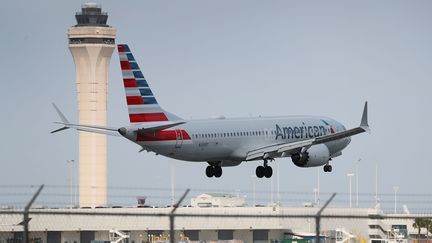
(316, 155)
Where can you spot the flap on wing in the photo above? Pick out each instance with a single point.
(339, 135)
(287, 148)
(290, 147)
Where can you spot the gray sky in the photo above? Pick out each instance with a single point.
(232, 58)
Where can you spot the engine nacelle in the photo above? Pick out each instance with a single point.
(316, 155)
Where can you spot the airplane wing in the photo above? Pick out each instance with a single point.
(112, 131)
(287, 149)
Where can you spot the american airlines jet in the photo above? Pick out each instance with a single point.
(310, 141)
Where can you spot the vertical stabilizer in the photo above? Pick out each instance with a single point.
(142, 104)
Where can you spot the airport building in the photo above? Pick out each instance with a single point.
(202, 223)
(92, 42)
(217, 200)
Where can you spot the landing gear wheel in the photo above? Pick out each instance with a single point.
(217, 171)
(268, 171)
(210, 171)
(327, 168)
(260, 171)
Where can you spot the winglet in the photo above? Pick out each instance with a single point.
(364, 120)
(62, 117)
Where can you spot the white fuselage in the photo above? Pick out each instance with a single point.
(228, 141)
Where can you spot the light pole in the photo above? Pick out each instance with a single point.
(272, 190)
(315, 190)
(376, 185)
(350, 175)
(278, 185)
(70, 165)
(172, 185)
(395, 188)
(253, 191)
(318, 187)
(357, 183)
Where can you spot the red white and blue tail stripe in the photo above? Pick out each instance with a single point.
(142, 105)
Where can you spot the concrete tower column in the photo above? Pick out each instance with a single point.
(91, 43)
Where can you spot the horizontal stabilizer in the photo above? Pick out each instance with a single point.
(85, 128)
(60, 129)
(88, 128)
(113, 131)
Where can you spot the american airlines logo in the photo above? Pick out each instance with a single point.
(296, 132)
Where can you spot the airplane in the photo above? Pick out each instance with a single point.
(310, 141)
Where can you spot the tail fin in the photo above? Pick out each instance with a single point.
(142, 104)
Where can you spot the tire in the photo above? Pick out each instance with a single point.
(209, 171)
(295, 158)
(329, 168)
(325, 168)
(268, 171)
(260, 171)
(217, 171)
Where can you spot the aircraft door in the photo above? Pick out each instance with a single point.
(179, 138)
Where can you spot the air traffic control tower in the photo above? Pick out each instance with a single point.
(91, 42)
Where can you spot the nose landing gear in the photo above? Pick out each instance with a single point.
(327, 168)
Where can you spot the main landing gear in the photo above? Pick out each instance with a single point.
(327, 168)
(214, 170)
(265, 170)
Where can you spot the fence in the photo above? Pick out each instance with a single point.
(371, 223)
